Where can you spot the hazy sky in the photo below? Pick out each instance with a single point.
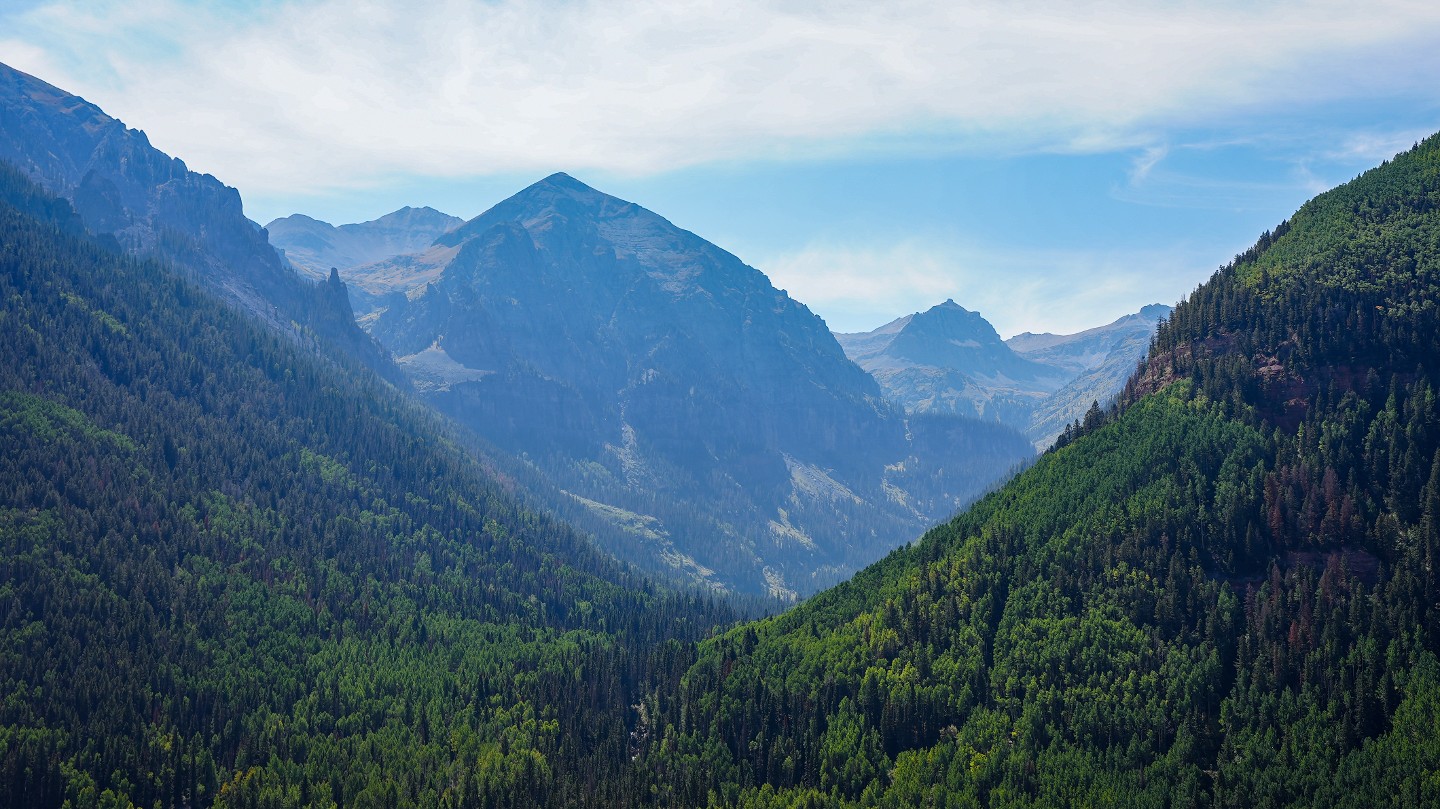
(1053, 164)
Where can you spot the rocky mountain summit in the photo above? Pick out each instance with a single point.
(672, 390)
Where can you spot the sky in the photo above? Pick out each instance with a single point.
(1053, 164)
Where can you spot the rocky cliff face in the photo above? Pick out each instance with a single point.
(672, 386)
(950, 360)
(154, 206)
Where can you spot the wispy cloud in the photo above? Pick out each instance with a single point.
(305, 94)
(1373, 146)
(1146, 161)
(1059, 290)
(1177, 189)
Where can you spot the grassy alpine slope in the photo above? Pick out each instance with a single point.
(1221, 593)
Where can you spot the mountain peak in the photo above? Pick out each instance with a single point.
(565, 192)
(954, 321)
(560, 198)
(425, 218)
(296, 219)
(562, 180)
(555, 187)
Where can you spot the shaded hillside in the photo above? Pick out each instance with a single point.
(232, 574)
(153, 206)
(1222, 593)
(710, 420)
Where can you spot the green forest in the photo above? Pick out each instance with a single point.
(237, 572)
(1219, 592)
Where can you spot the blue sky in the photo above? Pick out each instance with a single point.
(1052, 165)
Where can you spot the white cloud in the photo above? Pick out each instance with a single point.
(314, 94)
(1055, 290)
(1146, 161)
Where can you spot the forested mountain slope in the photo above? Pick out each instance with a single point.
(233, 574)
(1222, 593)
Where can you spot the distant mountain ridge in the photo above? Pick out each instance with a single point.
(948, 359)
(1104, 358)
(1088, 348)
(314, 246)
(672, 387)
(154, 206)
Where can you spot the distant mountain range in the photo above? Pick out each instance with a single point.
(697, 419)
(709, 420)
(948, 359)
(314, 246)
(1103, 358)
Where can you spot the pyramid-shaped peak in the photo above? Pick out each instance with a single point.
(559, 194)
(562, 180)
(949, 312)
(952, 320)
(561, 186)
(949, 305)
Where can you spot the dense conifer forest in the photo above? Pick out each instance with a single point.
(1221, 592)
(234, 574)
